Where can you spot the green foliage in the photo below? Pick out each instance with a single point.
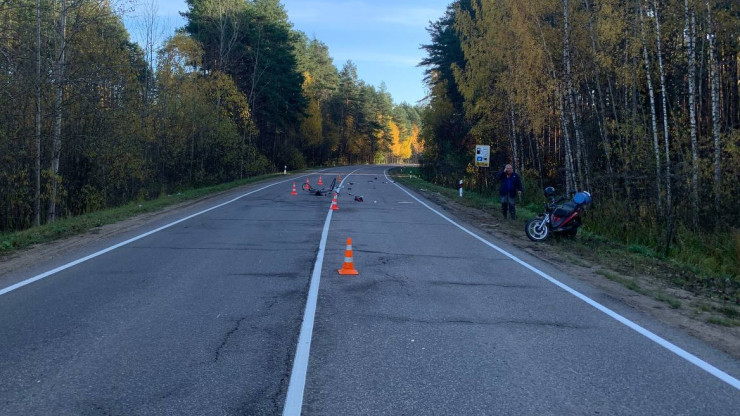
(636, 248)
(570, 107)
(236, 94)
(262, 62)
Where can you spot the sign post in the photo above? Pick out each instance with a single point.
(482, 155)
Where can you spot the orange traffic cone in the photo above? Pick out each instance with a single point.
(294, 192)
(334, 205)
(308, 183)
(349, 266)
(320, 183)
(339, 179)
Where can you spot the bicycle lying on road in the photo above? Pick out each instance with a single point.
(322, 191)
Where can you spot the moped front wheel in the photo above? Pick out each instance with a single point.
(537, 229)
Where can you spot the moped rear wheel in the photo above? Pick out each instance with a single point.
(537, 229)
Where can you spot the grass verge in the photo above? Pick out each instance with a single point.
(67, 227)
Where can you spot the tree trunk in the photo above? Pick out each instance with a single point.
(690, 31)
(666, 141)
(37, 167)
(714, 83)
(59, 81)
(570, 180)
(512, 136)
(568, 157)
(653, 120)
(599, 103)
(227, 18)
(569, 91)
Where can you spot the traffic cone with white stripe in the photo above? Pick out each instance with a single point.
(348, 268)
(320, 183)
(334, 205)
(294, 192)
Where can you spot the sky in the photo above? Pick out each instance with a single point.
(382, 37)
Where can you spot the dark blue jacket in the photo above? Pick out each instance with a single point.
(509, 186)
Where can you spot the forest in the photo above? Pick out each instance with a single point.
(91, 120)
(635, 101)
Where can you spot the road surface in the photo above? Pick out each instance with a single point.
(236, 308)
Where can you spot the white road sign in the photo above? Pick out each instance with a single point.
(482, 154)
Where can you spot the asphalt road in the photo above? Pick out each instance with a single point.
(203, 317)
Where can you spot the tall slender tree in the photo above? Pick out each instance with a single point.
(653, 119)
(37, 156)
(714, 93)
(690, 38)
(59, 81)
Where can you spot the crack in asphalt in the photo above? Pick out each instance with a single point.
(226, 338)
(246, 248)
(409, 255)
(474, 322)
(286, 275)
(453, 283)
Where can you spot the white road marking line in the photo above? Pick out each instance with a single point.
(732, 381)
(131, 240)
(297, 384)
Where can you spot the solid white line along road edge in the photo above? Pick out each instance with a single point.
(131, 240)
(297, 384)
(642, 331)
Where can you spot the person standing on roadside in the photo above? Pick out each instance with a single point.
(510, 186)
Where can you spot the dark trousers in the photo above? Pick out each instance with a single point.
(508, 205)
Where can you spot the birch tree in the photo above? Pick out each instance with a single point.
(666, 139)
(653, 121)
(59, 81)
(598, 99)
(690, 38)
(714, 88)
(37, 139)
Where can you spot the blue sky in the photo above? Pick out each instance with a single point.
(382, 37)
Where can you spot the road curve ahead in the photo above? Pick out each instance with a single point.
(240, 310)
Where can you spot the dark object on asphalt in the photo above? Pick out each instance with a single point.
(359, 199)
(319, 192)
